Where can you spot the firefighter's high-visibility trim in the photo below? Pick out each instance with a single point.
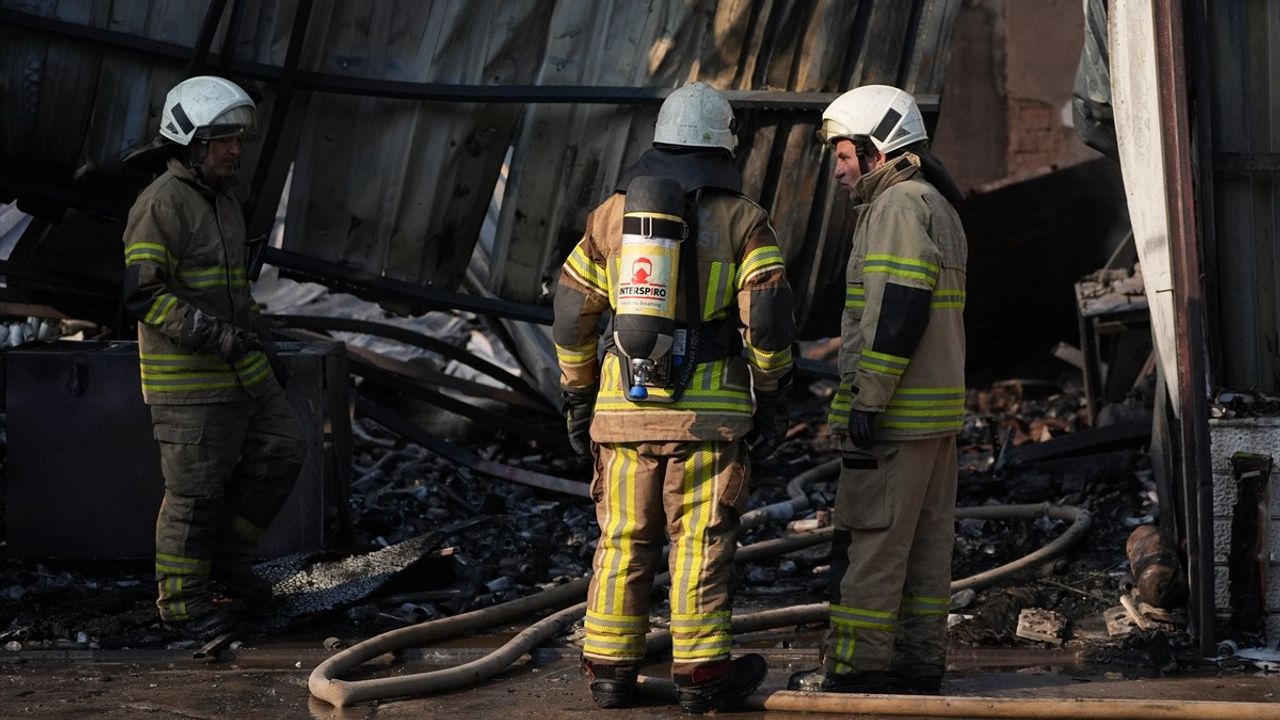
(861, 617)
(939, 422)
(615, 648)
(947, 299)
(688, 623)
(580, 266)
(689, 552)
(719, 290)
(246, 530)
(841, 404)
(577, 354)
(160, 309)
(701, 649)
(768, 360)
(148, 252)
(617, 624)
(883, 362)
(855, 296)
(213, 277)
(902, 267)
(924, 606)
(253, 368)
(765, 257)
(184, 565)
(617, 527)
(705, 392)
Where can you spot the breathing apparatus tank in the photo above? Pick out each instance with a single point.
(644, 323)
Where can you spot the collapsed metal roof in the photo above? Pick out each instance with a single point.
(399, 118)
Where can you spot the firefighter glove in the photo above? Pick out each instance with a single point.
(862, 428)
(231, 343)
(770, 423)
(578, 404)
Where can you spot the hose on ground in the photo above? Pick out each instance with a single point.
(325, 685)
(1056, 708)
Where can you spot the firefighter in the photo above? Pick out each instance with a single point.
(899, 405)
(230, 447)
(701, 324)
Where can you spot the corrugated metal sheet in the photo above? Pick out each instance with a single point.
(567, 158)
(1242, 266)
(400, 188)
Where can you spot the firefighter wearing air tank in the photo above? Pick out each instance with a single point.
(690, 377)
(230, 447)
(900, 402)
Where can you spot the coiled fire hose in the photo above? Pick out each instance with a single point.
(324, 682)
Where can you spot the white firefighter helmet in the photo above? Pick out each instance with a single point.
(885, 115)
(696, 115)
(205, 107)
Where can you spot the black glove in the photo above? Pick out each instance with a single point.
(770, 422)
(232, 343)
(862, 428)
(578, 404)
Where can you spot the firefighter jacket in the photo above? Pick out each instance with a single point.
(902, 331)
(185, 267)
(741, 283)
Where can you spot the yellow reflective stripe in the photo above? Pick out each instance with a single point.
(614, 547)
(715, 289)
(689, 551)
(701, 649)
(849, 617)
(762, 258)
(924, 606)
(245, 529)
(583, 269)
(576, 354)
(622, 648)
(687, 402)
(160, 309)
(189, 565)
(144, 251)
(898, 423)
(617, 624)
(705, 392)
(841, 404)
(768, 360)
(213, 277)
(188, 385)
(701, 622)
(172, 358)
(855, 296)
(944, 299)
(903, 267)
(883, 362)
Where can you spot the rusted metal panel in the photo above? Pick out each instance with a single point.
(567, 159)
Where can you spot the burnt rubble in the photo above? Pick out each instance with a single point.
(481, 541)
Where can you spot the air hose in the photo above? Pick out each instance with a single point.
(325, 685)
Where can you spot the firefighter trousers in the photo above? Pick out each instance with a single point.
(891, 557)
(695, 492)
(228, 468)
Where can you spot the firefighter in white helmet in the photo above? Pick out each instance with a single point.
(230, 447)
(899, 404)
(691, 381)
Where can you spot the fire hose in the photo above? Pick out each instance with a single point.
(324, 682)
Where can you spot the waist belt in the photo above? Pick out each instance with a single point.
(719, 339)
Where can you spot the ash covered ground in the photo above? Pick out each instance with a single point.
(485, 541)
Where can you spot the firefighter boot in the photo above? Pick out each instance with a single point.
(204, 627)
(242, 583)
(823, 680)
(612, 686)
(916, 679)
(719, 685)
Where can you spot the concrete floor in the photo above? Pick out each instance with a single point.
(270, 682)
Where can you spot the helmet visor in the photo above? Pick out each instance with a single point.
(236, 122)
